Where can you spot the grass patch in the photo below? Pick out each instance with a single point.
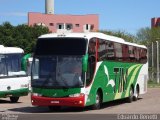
(153, 84)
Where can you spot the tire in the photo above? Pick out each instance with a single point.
(131, 94)
(54, 108)
(98, 103)
(14, 99)
(135, 98)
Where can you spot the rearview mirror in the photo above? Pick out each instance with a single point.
(85, 63)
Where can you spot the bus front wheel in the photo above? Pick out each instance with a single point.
(98, 101)
(14, 99)
(131, 94)
(135, 98)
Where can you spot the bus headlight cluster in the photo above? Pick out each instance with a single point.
(76, 95)
(37, 94)
(24, 86)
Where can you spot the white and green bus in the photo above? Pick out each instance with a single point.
(87, 69)
(13, 81)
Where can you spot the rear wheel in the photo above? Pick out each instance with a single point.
(131, 94)
(135, 98)
(98, 103)
(14, 99)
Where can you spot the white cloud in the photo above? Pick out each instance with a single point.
(16, 14)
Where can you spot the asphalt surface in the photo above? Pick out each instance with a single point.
(148, 103)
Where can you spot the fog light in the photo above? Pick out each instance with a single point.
(80, 102)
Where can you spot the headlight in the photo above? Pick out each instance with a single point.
(36, 94)
(76, 95)
(24, 86)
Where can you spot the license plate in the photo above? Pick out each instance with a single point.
(55, 102)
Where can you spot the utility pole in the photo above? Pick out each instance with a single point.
(157, 61)
(152, 61)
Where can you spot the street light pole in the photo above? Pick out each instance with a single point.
(157, 62)
(152, 61)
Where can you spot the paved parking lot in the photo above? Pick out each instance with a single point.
(148, 103)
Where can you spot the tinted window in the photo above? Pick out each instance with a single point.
(101, 50)
(3, 69)
(61, 46)
(110, 50)
(13, 62)
(57, 72)
(118, 51)
(10, 65)
(91, 61)
(143, 55)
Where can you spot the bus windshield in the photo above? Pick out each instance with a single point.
(57, 72)
(10, 65)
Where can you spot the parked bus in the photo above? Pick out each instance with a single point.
(87, 69)
(13, 81)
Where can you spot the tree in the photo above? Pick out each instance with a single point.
(22, 36)
(121, 34)
(148, 35)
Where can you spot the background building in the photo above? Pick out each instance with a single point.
(63, 23)
(155, 22)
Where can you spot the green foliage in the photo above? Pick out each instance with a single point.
(153, 84)
(22, 36)
(122, 34)
(144, 36)
(148, 35)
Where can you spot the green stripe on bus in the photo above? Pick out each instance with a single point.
(132, 80)
(119, 95)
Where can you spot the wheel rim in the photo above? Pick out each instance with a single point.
(137, 93)
(131, 92)
(97, 99)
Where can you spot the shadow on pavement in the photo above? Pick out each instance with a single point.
(7, 101)
(46, 110)
(33, 109)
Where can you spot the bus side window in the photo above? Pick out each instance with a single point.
(143, 56)
(110, 51)
(91, 61)
(125, 52)
(3, 69)
(118, 51)
(101, 50)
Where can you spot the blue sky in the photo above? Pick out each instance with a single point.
(125, 15)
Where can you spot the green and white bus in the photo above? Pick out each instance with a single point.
(86, 69)
(13, 81)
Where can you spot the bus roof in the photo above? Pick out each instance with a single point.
(10, 50)
(90, 35)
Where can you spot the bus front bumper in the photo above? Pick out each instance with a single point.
(14, 93)
(65, 101)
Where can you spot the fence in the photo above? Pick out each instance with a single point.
(154, 61)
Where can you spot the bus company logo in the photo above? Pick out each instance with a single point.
(54, 95)
(110, 81)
